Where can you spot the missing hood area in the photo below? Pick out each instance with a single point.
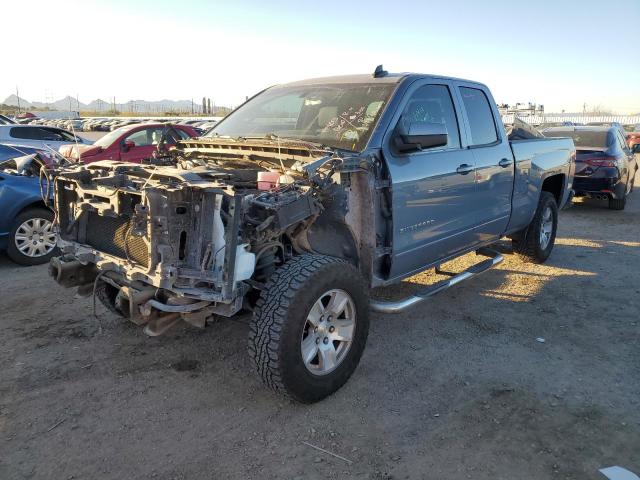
(193, 236)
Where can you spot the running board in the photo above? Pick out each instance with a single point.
(401, 305)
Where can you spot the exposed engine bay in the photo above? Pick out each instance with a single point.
(159, 243)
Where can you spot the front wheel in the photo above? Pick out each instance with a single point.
(310, 327)
(534, 244)
(32, 240)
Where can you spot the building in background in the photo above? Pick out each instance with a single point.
(521, 109)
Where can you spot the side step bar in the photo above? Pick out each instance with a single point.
(401, 305)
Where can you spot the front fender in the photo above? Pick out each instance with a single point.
(17, 193)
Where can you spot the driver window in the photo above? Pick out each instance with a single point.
(146, 137)
(433, 104)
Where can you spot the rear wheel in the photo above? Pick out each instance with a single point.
(534, 244)
(310, 327)
(32, 240)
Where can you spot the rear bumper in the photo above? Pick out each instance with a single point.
(588, 186)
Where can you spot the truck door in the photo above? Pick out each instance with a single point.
(493, 159)
(432, 188)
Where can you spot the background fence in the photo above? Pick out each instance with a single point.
(575, 118)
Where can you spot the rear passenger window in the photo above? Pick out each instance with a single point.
(38, 133)
(481, 120)
(433, 104)
(25, 132)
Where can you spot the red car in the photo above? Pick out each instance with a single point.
(633, 138)
(132, 143)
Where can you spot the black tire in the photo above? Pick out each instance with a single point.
(107, 295)
(618, 203)
(527, 244)
(12, 250)
(280, 317)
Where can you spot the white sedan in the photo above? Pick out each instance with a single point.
(38, 136)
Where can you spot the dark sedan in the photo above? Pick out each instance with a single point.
(605, 165)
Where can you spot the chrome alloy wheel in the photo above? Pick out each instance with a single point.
(546, 228)
(328, 332)
(35, 237)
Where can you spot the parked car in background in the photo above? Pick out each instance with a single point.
(633, 137)
(26, 223)
(38, 136)
(75, 124)
(617, 125)
(132, 143)
(605, 165)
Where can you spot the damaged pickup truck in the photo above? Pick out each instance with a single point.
(298, 203)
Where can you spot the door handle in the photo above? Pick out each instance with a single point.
(464, 169)
(505, 162)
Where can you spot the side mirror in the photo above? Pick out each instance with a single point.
(636, 148)
(128, 145)
(420, 135)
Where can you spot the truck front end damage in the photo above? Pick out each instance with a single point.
(157, 244)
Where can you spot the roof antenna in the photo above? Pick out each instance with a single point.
(380, 72)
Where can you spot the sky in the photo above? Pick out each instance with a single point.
(560, 53)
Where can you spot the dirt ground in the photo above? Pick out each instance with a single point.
(460, 387)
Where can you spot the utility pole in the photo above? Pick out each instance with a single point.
(114, 104)
(192, 106)
(18, 95)
(209, 106)
(584, 108)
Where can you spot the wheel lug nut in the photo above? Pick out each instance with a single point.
(315, 329)
(326, 340)
(317, 341)
(332, 329)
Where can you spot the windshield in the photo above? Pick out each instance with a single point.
(339, 116)
(584, 138)
(108, 139)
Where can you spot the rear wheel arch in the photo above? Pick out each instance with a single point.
(554, 184)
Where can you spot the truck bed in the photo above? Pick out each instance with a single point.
(535, 160)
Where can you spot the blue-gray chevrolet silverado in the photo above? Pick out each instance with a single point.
(298, 203)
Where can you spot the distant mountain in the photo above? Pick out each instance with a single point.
(99, 105)
(12, 100)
